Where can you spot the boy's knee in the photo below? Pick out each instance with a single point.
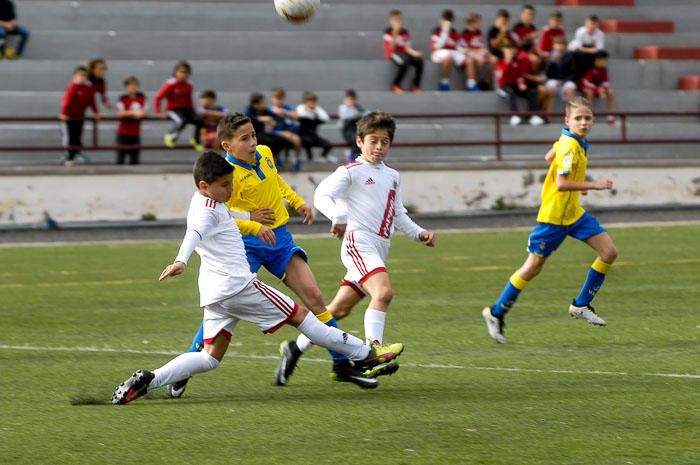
(609, 255)
(385, 295)
(340, 312)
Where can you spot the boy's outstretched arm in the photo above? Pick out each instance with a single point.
(172, 270)
(565, 184)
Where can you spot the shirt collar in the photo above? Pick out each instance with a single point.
(582, 142)
(235, 161)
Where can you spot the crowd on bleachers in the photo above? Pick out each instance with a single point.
(518, 62)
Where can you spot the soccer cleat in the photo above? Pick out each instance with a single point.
(169, 141)
(133, 388)
(81, 158)
(397, 89)
(176, 390)
(473, 88)
(344, 372)
(495, 325)
(416, 89)
(444, 87)
(378, 355)
(197, 145)
(384, 369)
(290, 355)
(587, 313)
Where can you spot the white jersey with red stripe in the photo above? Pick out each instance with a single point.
(212, 232)
(367, 197)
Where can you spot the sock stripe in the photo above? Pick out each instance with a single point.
(518, 282)
(325, 316)
(600, 266)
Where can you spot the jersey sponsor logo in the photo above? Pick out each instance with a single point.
(245, 177)
(269, 162)
(211, 203)
(369, 181)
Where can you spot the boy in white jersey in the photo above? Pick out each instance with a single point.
(363, 201)
(229, 292)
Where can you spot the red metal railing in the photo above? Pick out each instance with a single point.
(497, 141)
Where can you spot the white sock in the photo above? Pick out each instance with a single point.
(304, 343)
(374, 325)
(444, 81)
(182, 367)
(333, 338)
(471, 82)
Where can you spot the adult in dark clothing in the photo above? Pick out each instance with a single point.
(9, 26)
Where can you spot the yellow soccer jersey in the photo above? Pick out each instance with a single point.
(563, 208)
(260, 186)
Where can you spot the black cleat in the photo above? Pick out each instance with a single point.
(133, 388)
(344, 371)
(290, 355)
(177, 389)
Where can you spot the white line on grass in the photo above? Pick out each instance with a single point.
(320, 360)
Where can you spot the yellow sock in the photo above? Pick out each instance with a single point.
(325, 316)
(518, 282)
(600, 266)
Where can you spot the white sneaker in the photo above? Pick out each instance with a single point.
(536, 121)
(494, 325)
(515, 120)
(586, 313)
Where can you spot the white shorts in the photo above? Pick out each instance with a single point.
(478, 54)
(257, 303)
(439, 56)
(363, 254)
(562, 86)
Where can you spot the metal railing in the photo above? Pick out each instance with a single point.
(496, 140)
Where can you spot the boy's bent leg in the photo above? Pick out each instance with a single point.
(378, 285)
(603, 244)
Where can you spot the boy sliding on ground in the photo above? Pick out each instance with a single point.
(363, 200)
(561, 215)
(229, 292)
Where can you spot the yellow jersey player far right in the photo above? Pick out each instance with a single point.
(561, 215)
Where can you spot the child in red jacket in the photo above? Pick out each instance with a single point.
(594, 83)
(177, 93)
(511, 83)
(78, 97)
(131, 109)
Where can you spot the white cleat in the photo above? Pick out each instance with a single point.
(586, 313)
(494, 325)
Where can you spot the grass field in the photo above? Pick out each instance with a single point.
(76, 320)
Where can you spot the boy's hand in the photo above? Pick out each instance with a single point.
(63, 117)
(267, 236)
(263, 216)
(338, 230)
(172, 270)
(97, 116)
(306, 213)
(162, 115)
(603, 184)
(427, 238)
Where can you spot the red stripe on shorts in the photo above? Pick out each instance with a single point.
(272, 296)
(355, 255)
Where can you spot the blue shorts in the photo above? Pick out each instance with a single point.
(274, 259)
(546, 237)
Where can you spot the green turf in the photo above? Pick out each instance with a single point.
(54, 404)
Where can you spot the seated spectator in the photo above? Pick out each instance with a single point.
(533, 79)
(397, 48)
(561, 69)
(79, 96)
(594, 83)
(311, 116)
(510, 79)
(131, 109)
(97, 69)
(349, 113)
(549, 32)
(526, 31)
(286, 123)
(443, 46)
(9, 26)
(211, 112)
(587, 41)
(499, 35)
(263, 120)
(476, 55)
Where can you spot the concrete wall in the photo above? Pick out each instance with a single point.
(127, 197)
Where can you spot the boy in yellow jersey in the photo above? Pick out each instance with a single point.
(561, 215)
(257, 187)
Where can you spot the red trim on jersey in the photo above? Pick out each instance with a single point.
(352, 163)
(276, 327)
(389, 214)
(210, 340)
(381, 269)
(354, 287)
(355, 254)
(211, 203)
(272, 296)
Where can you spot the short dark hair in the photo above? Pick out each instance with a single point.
(184, 65)
(601, 54)
(394, 13)
(80, 69)
(376, 120)
(503, 13)
(208, 94)
(278, 92)
(351, 93)
(556, 14)
(131, 80)
(256, 97)
(228, 125)
(309, 96)
(472, 17)
(528, 7)
(209, 167)
(594, 18)
(448, 15)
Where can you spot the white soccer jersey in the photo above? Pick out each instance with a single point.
(213, 233)
(366, 197)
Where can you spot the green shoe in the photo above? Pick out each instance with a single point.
(169, 141)
(383, 369)
(197, 146)
(379, 355)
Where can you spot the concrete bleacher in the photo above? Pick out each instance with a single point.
(237, 47)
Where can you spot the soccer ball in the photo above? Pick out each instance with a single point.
(297, 11)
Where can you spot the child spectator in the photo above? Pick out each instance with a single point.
(443, 46)
(131, 108)
(311, 116)
(177, 93)
(510, 79)
(527, 33)
(549, 32)
(594, 83)
(587, 41)
(471, 44)
(263, 120)
(78, 97)
(499, 35)
(285, 123)
(349, 113)
(211, 112)
(97, 68)
(561, 69)
(533, 79)
(397, 48)
(9, 26)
